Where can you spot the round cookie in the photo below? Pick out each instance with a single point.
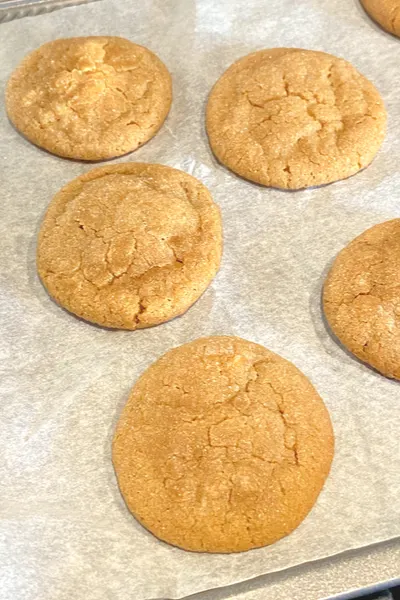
(130, 245)
(384, 12)
(222, 446)
(361, 297)
(290, 118)
(89, 98)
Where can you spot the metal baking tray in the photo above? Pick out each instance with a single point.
(15, 9)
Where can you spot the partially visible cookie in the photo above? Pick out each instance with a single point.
(222, 446)
(291, 118)
(384, 12)
(89, 98)
(362, 297)
(130, 245)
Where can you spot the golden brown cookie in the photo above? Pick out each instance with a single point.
(89, 98)
(130, 245)
(290, 118)
(222, 446)
(384, 12)
(362, 297)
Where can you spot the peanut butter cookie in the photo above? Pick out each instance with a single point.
(384, 12)
(291, 119)
(89, 98)
(222, 446)
(362, 297)
(130, 245)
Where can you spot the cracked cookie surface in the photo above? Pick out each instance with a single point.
(222, 446)
(362, 297)
(384, 12)
(291, 118)
(89, 98)
(130, 245)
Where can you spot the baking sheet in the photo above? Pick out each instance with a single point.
(15, 9)
(65, 531)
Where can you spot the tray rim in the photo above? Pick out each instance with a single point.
(17, 9)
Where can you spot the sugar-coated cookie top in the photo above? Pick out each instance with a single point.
(290, 118)
(89, 98)
(362, 297)
(223, 446)
(130, 245)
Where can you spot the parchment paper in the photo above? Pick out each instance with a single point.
(66, 532)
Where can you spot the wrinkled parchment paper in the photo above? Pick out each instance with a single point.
(66, 532)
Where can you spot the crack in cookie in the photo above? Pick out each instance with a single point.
(222, 446)
(89, 98)
(291, 118)
(130, 245)
(362, 297)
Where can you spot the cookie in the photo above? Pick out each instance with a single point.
(290, 118)
(130, 245)
(361, 297)
(89, 98)
(384, 12)
(222, 446)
